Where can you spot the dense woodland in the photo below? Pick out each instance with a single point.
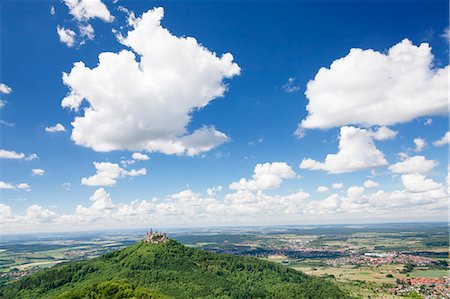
(170, 270)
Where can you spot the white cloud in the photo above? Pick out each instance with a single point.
(5, 88)
(146, 102)
(2, 103)
(428, 122)
(419, 183)
(243, 206)
(356, 152)
(52, 10)
(5, 185)
(140, 157)
(9, 186)
(107, 174)
(87, 31)
(322, 189)
(56, 128)
(5, 154)
(384, 133)
(415, 164)
(370, 88)
(213, 190)
(290, 86)
(266, 176)
(355, 192)
(84, 10)
(420, 144)
(66, 36)
(443, 140)
(38, 171)
(446, 34)
(371, 184)
(337, 186)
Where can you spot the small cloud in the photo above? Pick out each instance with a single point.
(420, 144)
(443, 140)
(7, 124)
(52, 10)
(37, 171)
(290, 86)
(5, 154)
(9, 186)
(66, 36)
(446, 34)
(140, 157)
(56, 128)
(322, 189)
(428, 122)
(67, 186)
(5, 88)
(2, 103)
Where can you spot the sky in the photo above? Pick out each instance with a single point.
(133, 114)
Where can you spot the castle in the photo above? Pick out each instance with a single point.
(155, 237)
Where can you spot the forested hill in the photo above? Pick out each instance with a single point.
(170, 270)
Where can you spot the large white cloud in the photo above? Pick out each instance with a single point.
(357, 151)
(146, 102)
(108, 173)
(84, 10)
(266, 176)
(369, 88)
(415, 164)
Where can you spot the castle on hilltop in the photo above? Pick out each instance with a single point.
(155, 237)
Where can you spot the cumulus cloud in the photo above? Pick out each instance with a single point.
(56, 128)
(370, 184)
(266, 176)
(337, 186)
(322, 189)
(9, 186)
(420, 144)
(146, 102)
(419, 183)
(213, 190)
(66, 36)
(84, 10)
(355, 191)
(242, 206)
(415, 164)
(140, 157)
(443, 140)
(108, 173)
(38, 171)
(370, 88)
(357, 151)
(5, 154)
(5, 88)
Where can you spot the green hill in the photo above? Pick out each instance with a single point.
(170, 270)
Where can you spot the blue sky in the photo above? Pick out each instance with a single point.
(374, 101)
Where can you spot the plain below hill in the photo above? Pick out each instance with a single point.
(170, 270)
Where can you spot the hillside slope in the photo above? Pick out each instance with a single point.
(170, 270)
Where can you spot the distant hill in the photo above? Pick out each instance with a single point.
(170, 270)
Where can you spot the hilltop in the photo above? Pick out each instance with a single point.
(170, 270)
